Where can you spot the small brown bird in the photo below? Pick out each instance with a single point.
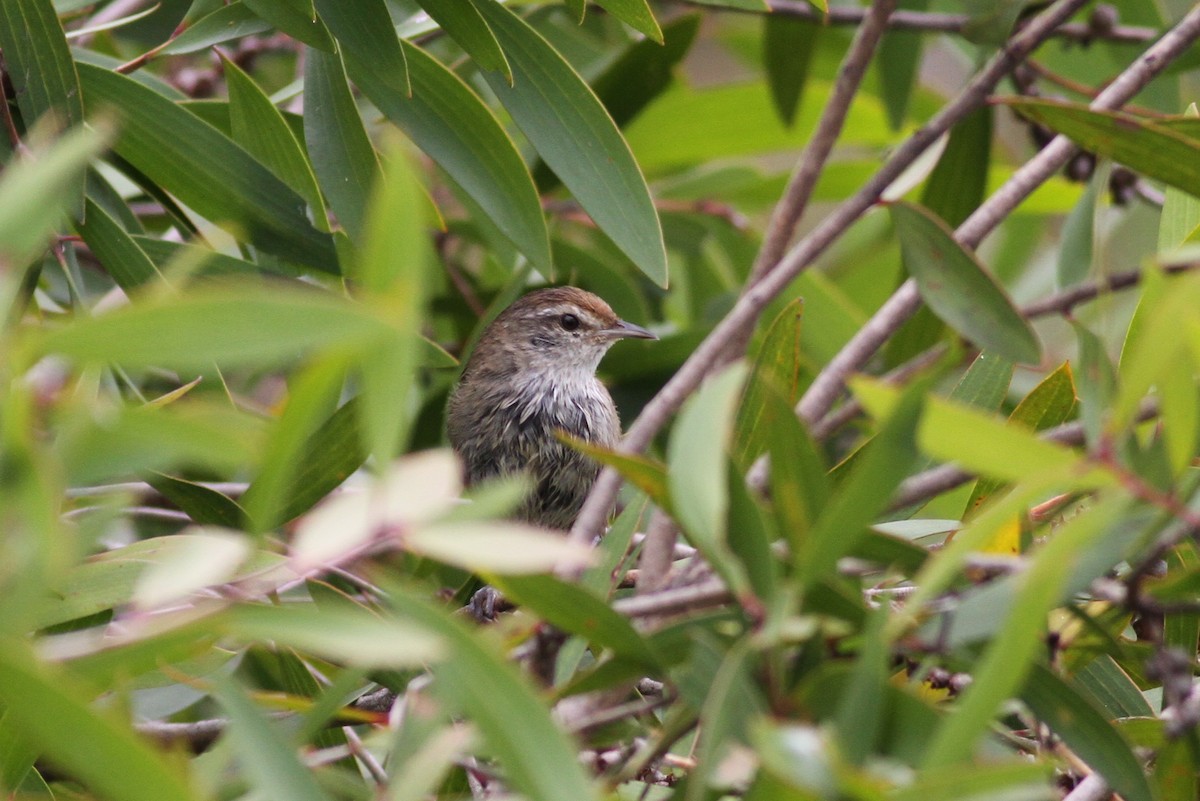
(533, 372)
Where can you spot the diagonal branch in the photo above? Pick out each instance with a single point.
(749, 307)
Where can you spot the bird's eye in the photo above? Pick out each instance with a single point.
(569, 322)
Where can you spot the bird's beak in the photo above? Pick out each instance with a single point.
(624, 330)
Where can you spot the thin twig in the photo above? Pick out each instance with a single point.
(749, 307)
(1092, 788)
(705, 595)
(828, 385)
(953, 23)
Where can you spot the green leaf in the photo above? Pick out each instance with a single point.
(1155, 150)
(577, 611)
(991, 21)
(959, 180)
(1112, 688)
(38, 62)
(227, 23)
(368, 41)
(636, 14)
(1075, 256)
(958, 289)
(789, 44)
(457, 130)
(730, 703)
(861, 710)
(644, 70)
(463, 23)
(696, 459)
(897, 61)
(1011, 654)
(776, 367)
(648, 475)
(573, 133)
(270, 764)
(296, 18)
(206, 170)
(36, 193)
(103, 754)
(477, 680)
(260, 128)
(342, 155)
(1097, 381)
(1086, 732)
(1047, 405)
(345, 633)
(116, 250)
(238, 323)
(203, 505)
(884, 462)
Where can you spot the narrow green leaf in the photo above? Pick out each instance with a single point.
(1013, 652)
(897, 60)
(730, 703)
(296, 18)
(270, 764)
(457, 130)
(789, 44)
(1029, 781)
(648, 475)
(35, 194)
(1112, 688)
(235, 324)
(636, 14)
(990, 21)
(644, 70)
(478, 681)
(206, 170)
(205, 506)
(1097, 381)
(105, 755)
(226, 23)
(860, 712)
(463, 23)
(1075, 256)
(115, 249)
(885, 461)
(1086, 732)
(573, 133)
(368, 41)
(577, 611)
(776, 365)
(260, 128)
(1155, 150)
(696, 458)
(958, 288)
(958, 182)
(38, 62)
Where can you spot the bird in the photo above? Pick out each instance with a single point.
(532, 374)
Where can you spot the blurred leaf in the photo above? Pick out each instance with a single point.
(259, 127)
(861, 709)
(697, 457)
(573, 133)
(344, 633)
(577, 611)
(884, 462)
(1158, 151)
(226, 23)
(453, 127)
(645, 69)
(296, 18)
(1011, 654)
(1030, 781)
(800, 485)
(991, 21)
(205, 557)
(896, 64)
(730, 703)
(789, 44)
(341, 153)
(776, 366)
(206, 170)
(268, 762)
(476, 680)
(1097, 382)
(368, 41)
(1075, 257)
(463, 23)
(37, 60)
(497, 547)
(1175, 771)
(237, 323)
(980, 442)
(958, 182)
(36, 193)
(102, 754)
(958, 288)
(1086, 732)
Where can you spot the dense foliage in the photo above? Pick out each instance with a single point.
(933, 537)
